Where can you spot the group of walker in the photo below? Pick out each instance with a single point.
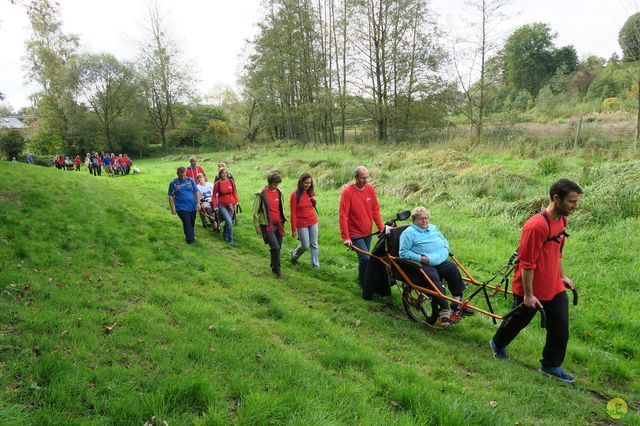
(539, 281)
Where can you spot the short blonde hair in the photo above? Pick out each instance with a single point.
(418, 211)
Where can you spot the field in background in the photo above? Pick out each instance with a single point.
(109, 318)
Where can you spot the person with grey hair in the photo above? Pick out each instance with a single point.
(423, 243)
(359, 208)
(194, 170)
(269, 219)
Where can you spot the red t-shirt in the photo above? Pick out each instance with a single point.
(224, 193)
(273, 198)
(302, 212)
(541, 256)
(193, 173)
(358, 209)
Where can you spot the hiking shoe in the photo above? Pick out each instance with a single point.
(558, 373)
(294, 261)
(444, 317)
(501, 353)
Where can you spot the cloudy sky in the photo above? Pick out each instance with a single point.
(213, 32)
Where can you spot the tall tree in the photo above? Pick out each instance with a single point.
(471, 59)
(165, 76)
(49, 52)
(107, 86)
(629, 39)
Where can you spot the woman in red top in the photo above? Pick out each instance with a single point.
(225, 199)
(77, 162)
(304, 221)
(268, 219)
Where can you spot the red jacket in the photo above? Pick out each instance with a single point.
(358, 209)
(302, 211)
(193, 174)
(224, 193)
(542, 256)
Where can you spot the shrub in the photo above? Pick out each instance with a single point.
(11, 143)
(549, 165)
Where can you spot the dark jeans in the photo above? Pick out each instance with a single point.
(555, 347)
(188, 223)
(448, 271)
(274, 239)
(363, 259)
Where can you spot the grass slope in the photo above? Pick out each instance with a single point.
(204, 335)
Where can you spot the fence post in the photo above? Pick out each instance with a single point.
(575, 141)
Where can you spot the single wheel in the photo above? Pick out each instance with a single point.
(418, 306)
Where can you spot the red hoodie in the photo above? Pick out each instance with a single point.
(358, 209)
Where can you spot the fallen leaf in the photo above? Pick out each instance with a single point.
(50, 279)
(64, 333)
(493, 404)
(79, 318)
(24, 289)
(358, 322)
(99, 278)
(86, 276)
(211, 327)
(36, 270)
(139, 341)
(395, 405)
(109, 328)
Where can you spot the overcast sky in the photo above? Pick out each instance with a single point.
(213, 32)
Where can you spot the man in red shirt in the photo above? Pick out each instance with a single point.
(194, 170)
(358, 209)
(540, 280)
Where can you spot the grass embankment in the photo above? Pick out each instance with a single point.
(107, 317)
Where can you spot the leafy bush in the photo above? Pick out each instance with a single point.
(11, 143)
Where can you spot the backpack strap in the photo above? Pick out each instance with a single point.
(555, 238)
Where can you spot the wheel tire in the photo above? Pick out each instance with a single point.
(418, 306)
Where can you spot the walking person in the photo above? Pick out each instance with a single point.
(304, 220)
(359, 208)
(225, 200)
(269, 219)
(194, 170)
(540, 281)
(184, 200)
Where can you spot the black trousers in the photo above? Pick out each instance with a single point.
(274, 239)
(188, 221)
(555, 347)
(448, 271)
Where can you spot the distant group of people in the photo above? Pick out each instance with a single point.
(539, 281)
(111, 164)
(63, 163)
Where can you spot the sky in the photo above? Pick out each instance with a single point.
(213, 33)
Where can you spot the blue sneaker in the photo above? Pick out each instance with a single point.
(501, 353)
(558, 373)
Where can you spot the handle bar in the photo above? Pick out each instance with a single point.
(543, 315)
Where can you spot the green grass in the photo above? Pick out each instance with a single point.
(204, 335)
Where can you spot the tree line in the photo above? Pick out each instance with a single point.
(321, 71)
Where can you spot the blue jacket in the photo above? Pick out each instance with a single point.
(416, 242)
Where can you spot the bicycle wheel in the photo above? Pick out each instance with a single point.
(418, 306)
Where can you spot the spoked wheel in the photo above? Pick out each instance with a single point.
(418, 306)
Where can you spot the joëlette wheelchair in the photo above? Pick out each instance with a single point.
(420, 295)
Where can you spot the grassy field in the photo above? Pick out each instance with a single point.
(108, 317)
